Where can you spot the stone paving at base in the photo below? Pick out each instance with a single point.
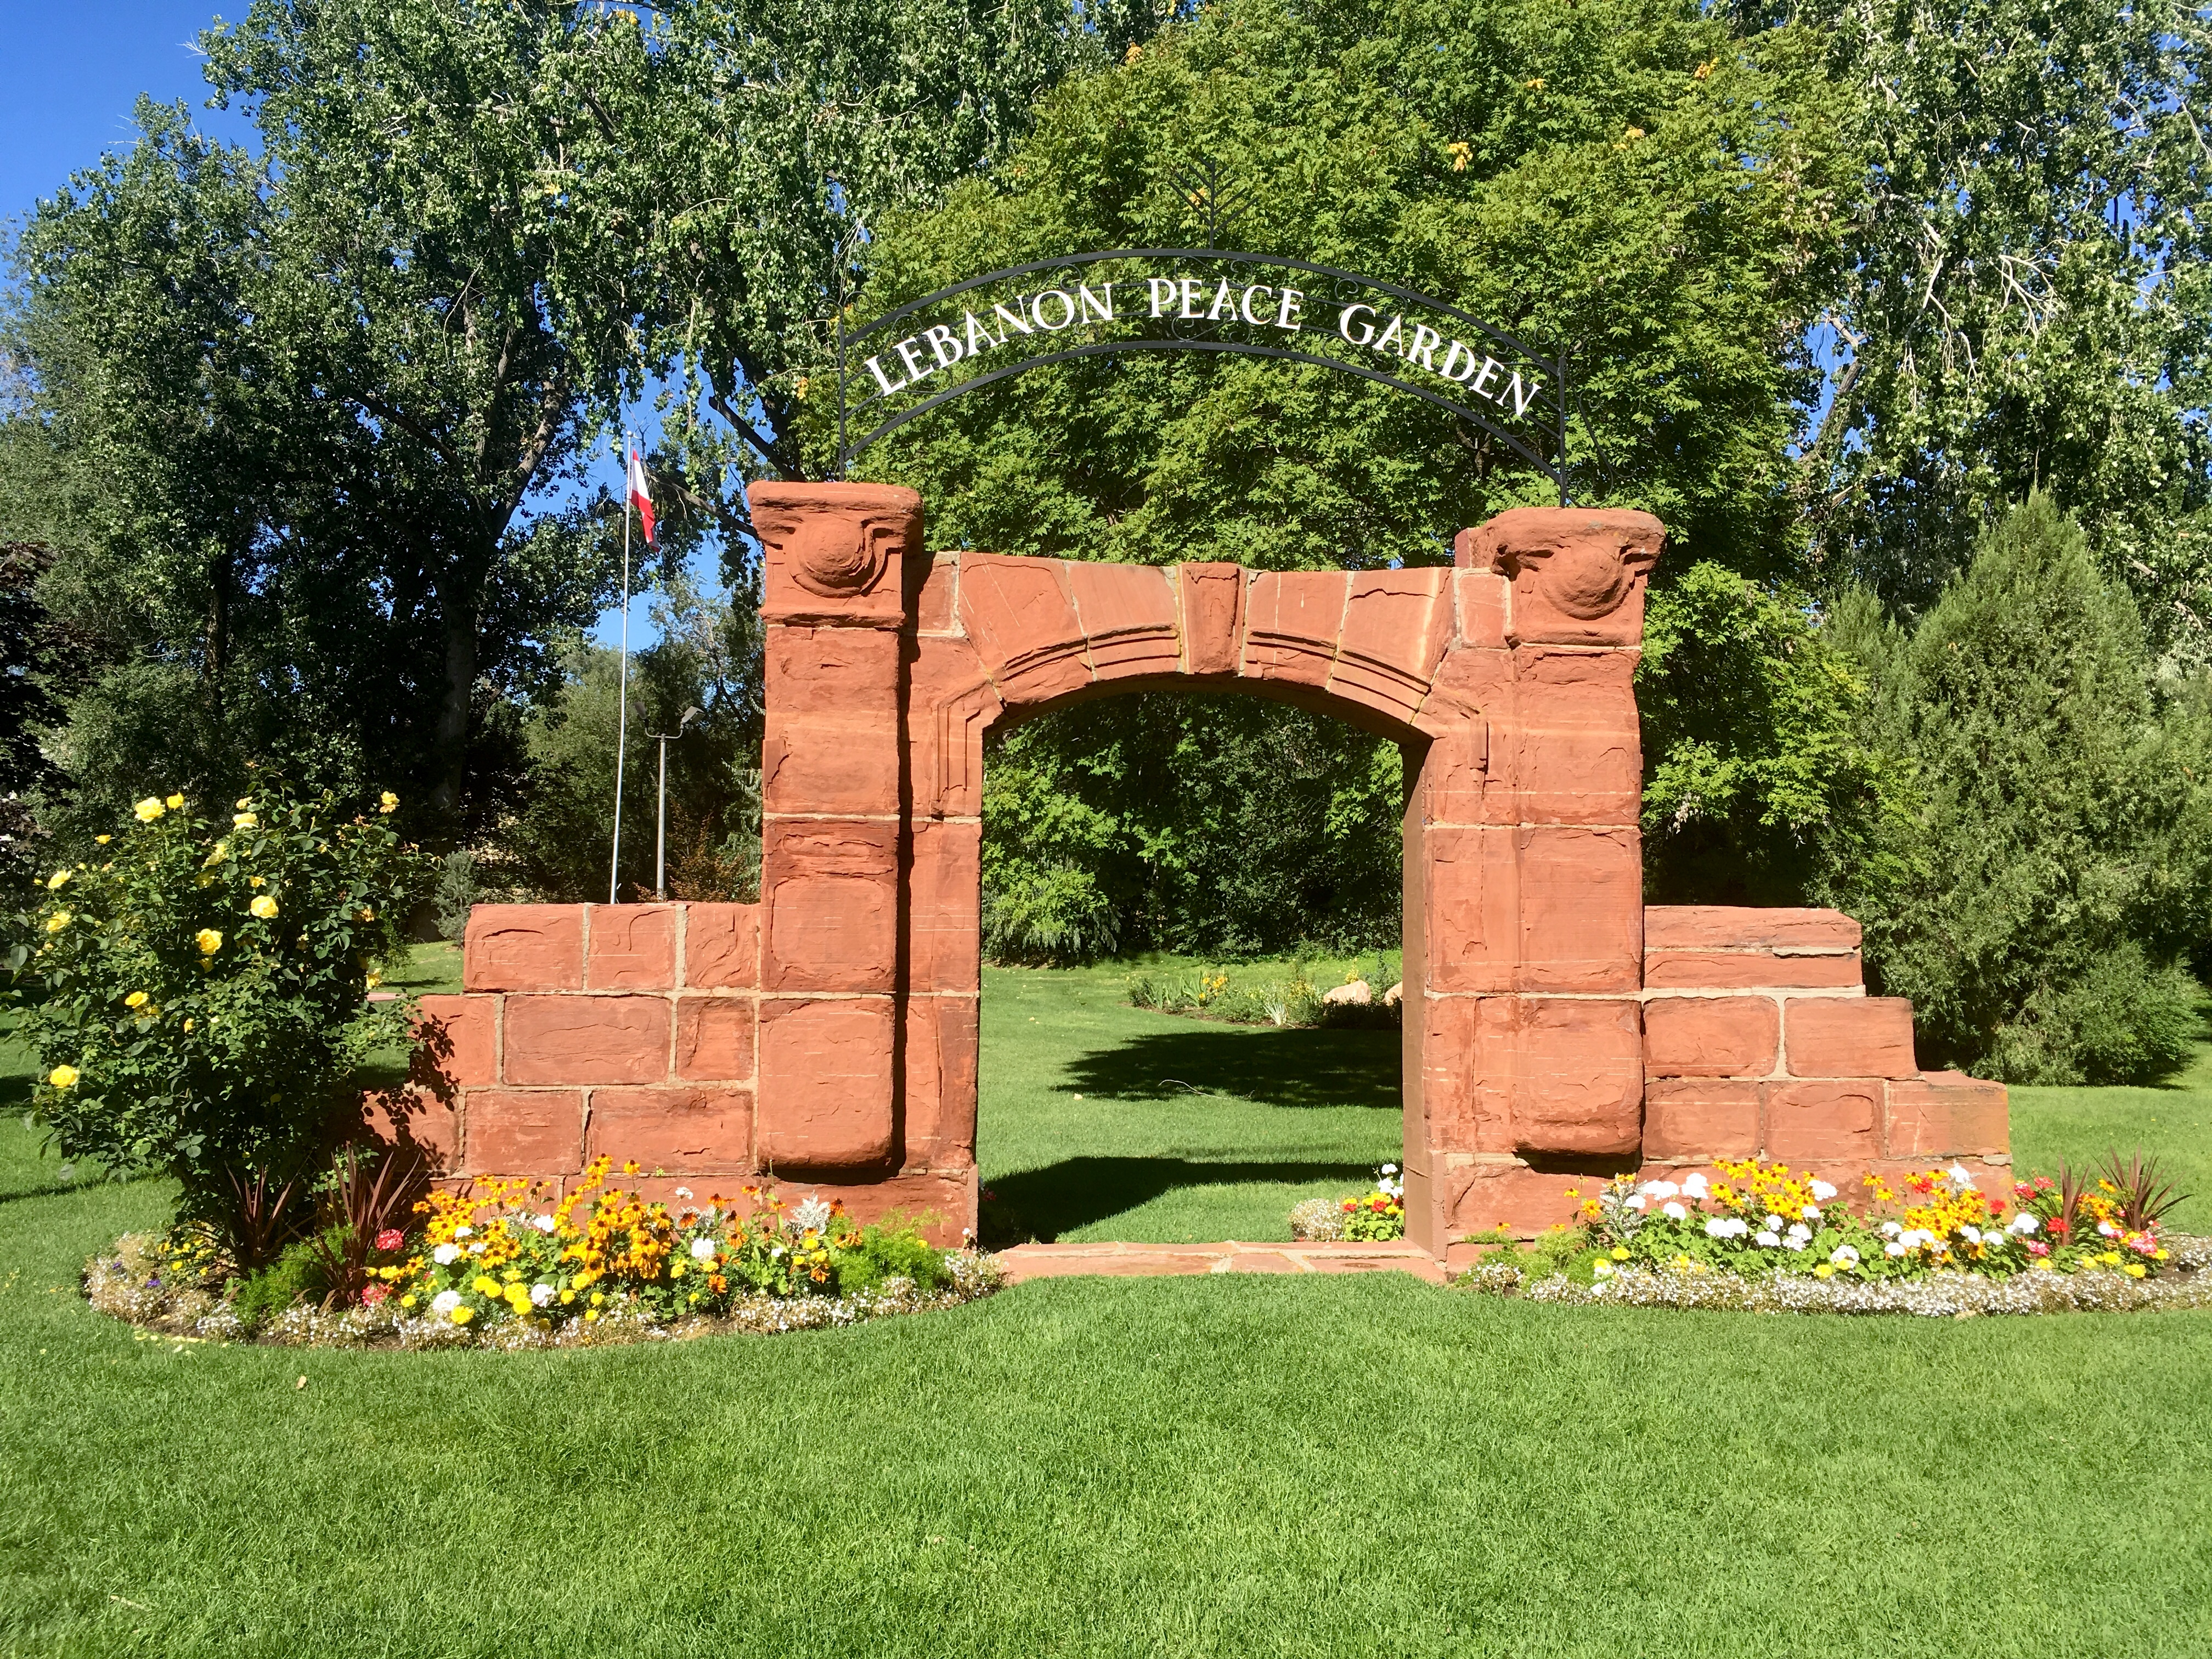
(1027, 1261)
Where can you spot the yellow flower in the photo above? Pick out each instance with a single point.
(590, 1315)
(567, 1297)
(387, 802)
(190, 1023)
(2133, 1270)
(1826, 1270)
(676, 1272)
(136, 1000)
(463, 1313)
(1621, 1252)
(263, 905)
(1461, 154)
(406, 1301)
(245, 821)
(63, 1077)
(245, 802)
(149, 809)
(368, 913)
(597, 1297)
(56, 880)
(102, 841)
(60, 919)
(209, 941)
(487, 1286)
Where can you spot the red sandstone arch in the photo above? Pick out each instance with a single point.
(829, 1033)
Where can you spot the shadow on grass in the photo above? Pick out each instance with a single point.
(1296, 1067)
(1042, 1204)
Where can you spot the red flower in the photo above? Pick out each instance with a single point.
(375, 1294)
(390, 1239)
(1350, 1205)
(2058, 1224)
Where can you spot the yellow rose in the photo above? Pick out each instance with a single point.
(136, 1000)
(55, 881)
(245, 821)
(149, 809)
(175, 803)
(263, 905)
(63, 1077)
(60, 919)
(245, 803)
(209, 941)
(387, 802)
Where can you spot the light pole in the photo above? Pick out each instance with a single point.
(661, 832)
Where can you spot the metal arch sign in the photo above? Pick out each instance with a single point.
(924, 353)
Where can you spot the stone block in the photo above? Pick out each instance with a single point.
(1742, 970)
(721, 947)
(416, 1119)
(1948, 1114)
(1483, 602)
(1127, 614)
(1697, 1120)
(1482, 1194)
(523, 1132)
(942, 1200)
(934, 609)
(1575, 750)
(1394, 626)
(1293, 621)
(1848, 1036)
(831, 741)
(834, 552)
(945, 948)
(940, 1057)
(577, 1041)
(459, 1038)
(1579, 1077)
(1745, 928)
(1465, 1060)
(1469, 891)
(1578, 573)
(950, 705)
(830, 895)
(1455, 780)
(524, 947)
(1211, 597)
(630, 947)
(1021, 617)
(715, 1038)
(825, 1084)
(681, 1129)
(1582, 908)
(1711, 1036)
(1836, 1118)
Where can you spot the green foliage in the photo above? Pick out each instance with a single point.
(1205, 825)
(296, 1276)
(890, 1248)
(2060, 861)
(1758, 787)
(2027, 295)
(195, 993)
(1625, 179)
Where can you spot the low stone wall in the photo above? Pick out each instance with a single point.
(1759, 1040)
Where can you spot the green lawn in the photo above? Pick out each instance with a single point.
(1219, 1465)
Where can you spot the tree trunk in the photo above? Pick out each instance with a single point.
(457, 600)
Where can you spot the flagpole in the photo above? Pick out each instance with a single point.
(622, 695)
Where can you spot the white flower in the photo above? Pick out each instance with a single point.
(445, 1302)
(1665, 1189)
(1649, 1189)
(540, 1295)
(2108, 1230)
(1635, 1203)
(1674, 1211)
(682, 1192)
(1893, 1228)
(1774, 1223)
(544, 1224)
(1961, 1177)
(1974, 1233)
(1823, 1191)
(1894, 1248)
(1798, 1236)
(703, 1249)
(1694, 1186)
(1389, 1169)
(476, 1248)
(811, 1216)
(2022, 1223)
(445, 1255)
(1843, 1257)
(1602, 1270)
(1719, 1227)
(1767, 1241)
(1811, 1213)
(463, 1232)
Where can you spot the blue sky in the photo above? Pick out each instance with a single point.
(91, 62)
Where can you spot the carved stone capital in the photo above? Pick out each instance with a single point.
(1577, 574)
(832, 550)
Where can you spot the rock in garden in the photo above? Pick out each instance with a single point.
(1392, 997)
(1358, 994)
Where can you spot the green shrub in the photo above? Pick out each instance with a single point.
(890, 1248)
(1055, 916)
(196, 993)
(2059, 864)
(296, 1276)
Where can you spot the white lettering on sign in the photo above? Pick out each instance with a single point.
(1186, 299)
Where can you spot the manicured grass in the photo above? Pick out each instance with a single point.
(1223, 1465)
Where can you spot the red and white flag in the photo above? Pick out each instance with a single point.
(640, 496)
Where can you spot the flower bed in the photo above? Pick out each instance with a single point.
(501, 1266)
(1759, 1236)
(1372, 1217)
